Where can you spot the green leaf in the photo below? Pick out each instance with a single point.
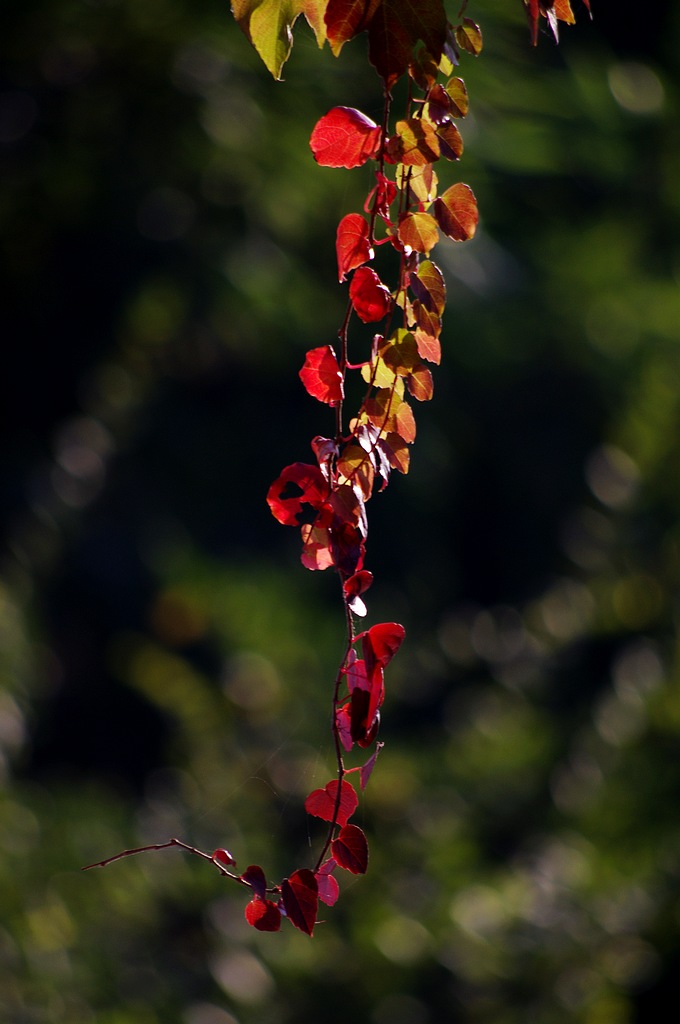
(268, 24)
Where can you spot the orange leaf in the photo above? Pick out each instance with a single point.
(418, 232)
(414, 144)
(456, 212)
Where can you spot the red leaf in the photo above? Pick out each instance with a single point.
(283, 498)
(263, 915)
(382, 196)
(344, 137)
(380, 643)
(346, 18)
(223, 858)
(365, 717)
(358, 583)
(300, 895)
(329, 890)
(350, 850)
(321, 802)
(343, 721)
(353, 587)
(395, 29)
(456, 212)
(351, 244)
(367, 769)
(370, 298)
(321, 375)
(532, 14)
(254, 877)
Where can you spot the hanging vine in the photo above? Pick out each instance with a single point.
(325, 499)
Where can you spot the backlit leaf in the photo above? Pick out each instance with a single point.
(316, 549)
(344, 137)
(423, 69)
(346, 18)
(352, 245)
(343, 720)
(263, 915)
(356, 468)
(329, 890)
(381, 642)
(450, 141)
(469, 37)
(321, 802)
(397, 452)
(558, 10)
(387, 411)
(414, 143)
(396, 27)
(418, 232)
(370, 298)
(350, 850)
(438, 106)
(358, 583)
(378, 374)
(298, 485)
(400, 353)
(429, 287)
(354, 587)
(268, 24)
(456, 212)
(420, 384)
(420, 181)
(255, 878)
(458, 95)
(300, 895)
(321, 375)
(382, 195)
(427, 338)
(223, 858)
(366, 769)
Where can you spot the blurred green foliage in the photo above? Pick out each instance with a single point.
(167, 257)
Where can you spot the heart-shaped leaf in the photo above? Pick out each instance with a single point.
(456, 212)
(350, 850)
(344, 137)
(321, 375)
(418, 232)
(322, 802)
(329, 890)
(255, 878)
(370, 298)
(300, 895)
(263, 915)
(351, 244)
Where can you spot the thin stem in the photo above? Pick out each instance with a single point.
(165, 846)
(336, 734)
